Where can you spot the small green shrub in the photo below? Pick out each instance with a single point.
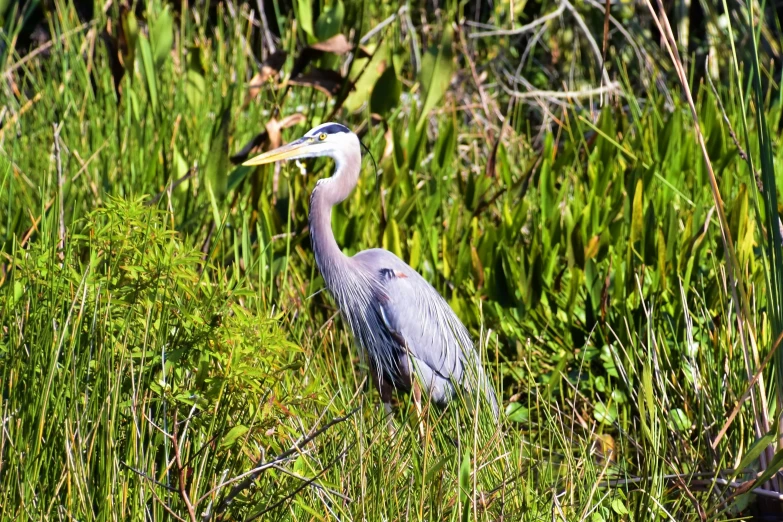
(122, 338)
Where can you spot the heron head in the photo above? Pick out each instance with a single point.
(328, 139)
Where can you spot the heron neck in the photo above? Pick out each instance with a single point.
(326, 194)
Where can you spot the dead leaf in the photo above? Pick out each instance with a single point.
(591, 250)
(269, 69)
(273, 128)
(388, 148)
(337, 44)
(271, 136)
(325, 80)
(276, 60)
(603, 448)
(256, 82)
(293, 119)
(492, 159)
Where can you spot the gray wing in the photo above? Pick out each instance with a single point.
(420, 319)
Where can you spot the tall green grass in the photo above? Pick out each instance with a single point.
(168, 334)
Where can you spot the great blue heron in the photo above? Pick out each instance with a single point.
(400, 321)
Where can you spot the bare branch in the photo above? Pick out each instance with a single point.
(596, 91)
(315, 484)
(596, 50)
(166, 507)
(182, 478)
(521, 30)
(151, 479)
(32, 54)
(253, 474)
(375, 30)
(304, 485)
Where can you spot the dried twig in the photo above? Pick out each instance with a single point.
(303, 485)
(586, 30)
(267, 42)
(587, 93)
(35, 52)
(253, 474)
(146, 476)
(523, 29)
(315, 484)
(182, 477)
(733, 135)
(165, 506)
(737, 487)
(171, 186)
(639, 51)
(745, 395)
(477, 82)
(375, 30)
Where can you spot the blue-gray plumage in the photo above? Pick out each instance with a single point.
(401, 323)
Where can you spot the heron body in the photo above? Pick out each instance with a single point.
(406, 330)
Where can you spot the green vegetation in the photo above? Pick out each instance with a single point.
(163, 330)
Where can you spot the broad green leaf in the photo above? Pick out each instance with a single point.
(237, 175)
(130, 27)
(618, 506)
(772, 468)
(637, 216)
(679, 420)
(515, 412)
(436, 468)
(135, 104)
(445, 251)
(437, 68)
(477, 267)
(162, 36)
(233, 434)
(370, 72)
(300, 466)
(180, 164)
(415, 250)
(386, 93)
(149, 72)
(329, 22)
(194, 79)
(217, 162)
(755, 449)
(18, 291)
(446, 144)
(619, 396)
(464, 485)
(391, 238)
(304, 16)
(546, 179)
(650, 223)
(661, 250)
(604, 414)
(4, 4)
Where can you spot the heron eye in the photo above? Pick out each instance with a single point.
(322, 136)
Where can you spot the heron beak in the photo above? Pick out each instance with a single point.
(292, 150)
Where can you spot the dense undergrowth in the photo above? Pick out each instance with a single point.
(164, 332)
